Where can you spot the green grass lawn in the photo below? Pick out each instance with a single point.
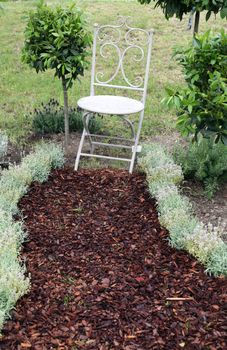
(21, 89)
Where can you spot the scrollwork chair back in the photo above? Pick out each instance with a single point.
(122, 39)
(127, 47)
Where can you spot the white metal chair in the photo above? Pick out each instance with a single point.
(108, 37)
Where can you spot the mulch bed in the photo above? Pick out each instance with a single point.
(102, 271)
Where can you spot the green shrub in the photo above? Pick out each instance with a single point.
(175, 212)
(202, 105)
(207, 54)
(181, 7)
(205, 161)
(58, 38)
(49, 119)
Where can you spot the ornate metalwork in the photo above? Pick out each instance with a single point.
(110, 37)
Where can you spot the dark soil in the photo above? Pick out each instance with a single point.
(102, 272)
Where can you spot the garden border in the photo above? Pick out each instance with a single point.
(14, 183)
(163, 176)
(175, 211)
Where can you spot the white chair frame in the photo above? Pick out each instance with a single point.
(140, 85)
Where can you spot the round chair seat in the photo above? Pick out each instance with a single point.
(108, 104)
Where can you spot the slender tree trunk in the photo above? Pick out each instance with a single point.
(66, 111)
(196, 25)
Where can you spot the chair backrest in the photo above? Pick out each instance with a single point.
(122, 39)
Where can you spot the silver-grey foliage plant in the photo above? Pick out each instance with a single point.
(13, 185)
(175, 214)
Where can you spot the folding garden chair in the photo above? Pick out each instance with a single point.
(129, 45)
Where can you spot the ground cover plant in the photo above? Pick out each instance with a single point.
(22, 89)
(14, 184)
(186, 232)
(104, 275)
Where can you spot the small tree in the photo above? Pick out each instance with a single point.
(57, 38)
(181, 7)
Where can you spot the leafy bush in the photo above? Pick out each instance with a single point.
(181, 7)
(204, 161)
(186, 232)
(202, 105)
(49, 119)
(205, 56)
(57, 38)
(13, 185)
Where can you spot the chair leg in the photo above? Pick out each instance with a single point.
(79, 150)
(86, 119)
(136, 142)
(133, 159)
(92, 150)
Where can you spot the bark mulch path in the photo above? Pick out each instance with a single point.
(102, 270)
